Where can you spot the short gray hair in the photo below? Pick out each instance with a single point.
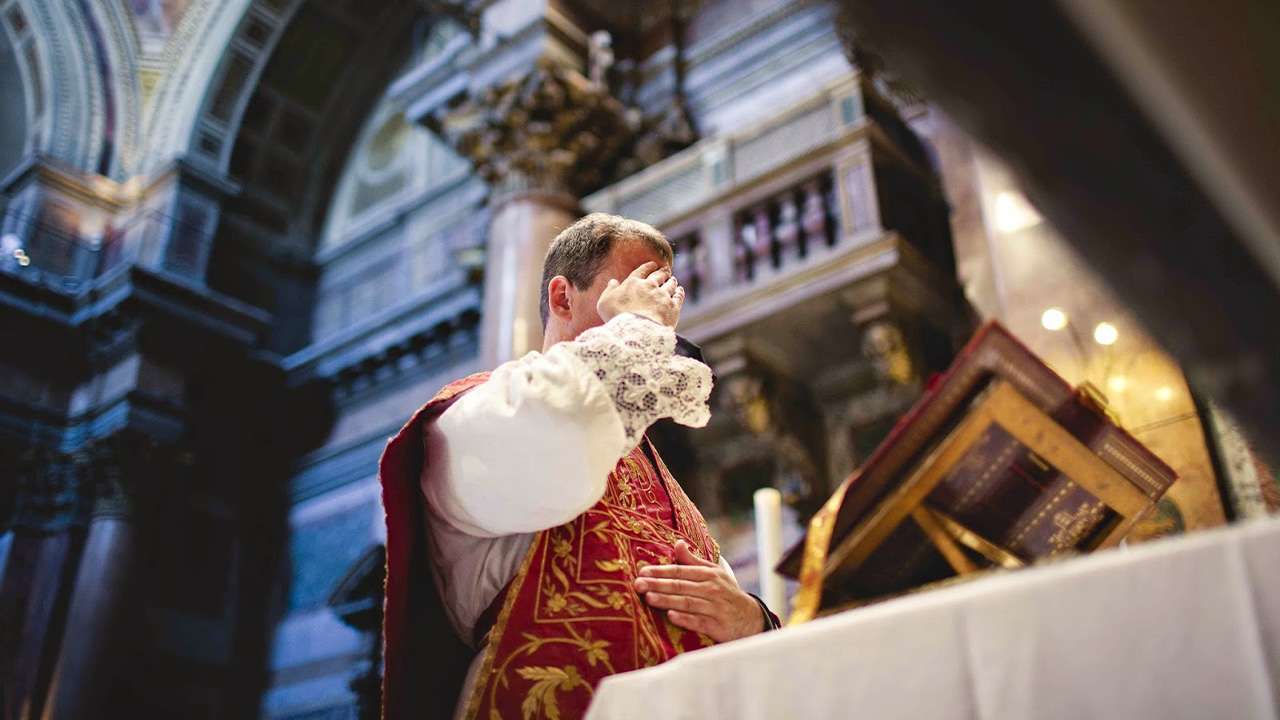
(580, 249)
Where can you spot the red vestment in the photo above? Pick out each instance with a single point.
(569, 617)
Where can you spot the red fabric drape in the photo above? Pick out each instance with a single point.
(424, 662)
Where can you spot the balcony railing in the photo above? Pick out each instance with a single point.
(785, 228)
(814, 184)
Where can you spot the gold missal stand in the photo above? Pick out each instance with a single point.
(999, 405)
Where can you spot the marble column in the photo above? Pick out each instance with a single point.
(35, 578)
(87, 667)
(51, 505)
(522, 226)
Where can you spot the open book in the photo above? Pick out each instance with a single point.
(1000, 463)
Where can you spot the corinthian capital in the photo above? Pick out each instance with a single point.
(550, 128)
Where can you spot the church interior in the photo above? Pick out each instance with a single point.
(243, 240)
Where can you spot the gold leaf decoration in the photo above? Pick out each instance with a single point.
(611, 565)
(595, 651)
(540, 700)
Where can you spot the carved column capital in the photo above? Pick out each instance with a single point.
(114, 488)
(54, 489)
(550, 129)
(127, 469)
(58, 489)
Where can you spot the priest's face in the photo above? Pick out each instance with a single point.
(627, 255)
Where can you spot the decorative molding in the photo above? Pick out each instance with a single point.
(17, 27)
(357, 376)
(190, 62)
(445, 302)
(257, 54)
(115, 28)
(74, 102)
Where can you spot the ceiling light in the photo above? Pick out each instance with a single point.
(1105, 334)
(1053, 319)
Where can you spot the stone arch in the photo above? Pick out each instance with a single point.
(77, 61)
(297, 84)
(115, 46)
(190, 61)
(289, 96)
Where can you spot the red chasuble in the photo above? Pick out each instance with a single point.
(567, 620)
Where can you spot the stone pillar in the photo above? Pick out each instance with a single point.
(34, 579)
(717, 235)
(86, 665)
(50, 508)
(521, 229)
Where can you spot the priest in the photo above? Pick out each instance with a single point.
(536, 542)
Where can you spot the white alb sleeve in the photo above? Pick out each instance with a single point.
(533, 447)
(634, 358)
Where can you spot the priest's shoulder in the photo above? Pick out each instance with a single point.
(459, 386)
(437, 404)
(456, 387)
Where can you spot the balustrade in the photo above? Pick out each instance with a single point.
(785, 228)
(796, 191)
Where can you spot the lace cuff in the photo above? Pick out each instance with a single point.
(633, 357)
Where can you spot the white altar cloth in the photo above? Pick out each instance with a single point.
(1181, 628)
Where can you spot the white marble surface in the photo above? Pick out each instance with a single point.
(1183, 628)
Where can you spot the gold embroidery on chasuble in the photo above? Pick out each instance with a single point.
(571, 617)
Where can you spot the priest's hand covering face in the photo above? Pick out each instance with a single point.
(613, 268)
(648, 290)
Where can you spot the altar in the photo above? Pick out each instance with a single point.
(1187, 627)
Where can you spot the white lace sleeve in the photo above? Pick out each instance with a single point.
(634, 358)
(533, 446)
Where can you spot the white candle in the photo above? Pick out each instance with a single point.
(768, 502)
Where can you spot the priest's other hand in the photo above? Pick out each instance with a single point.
(649, 290)
(700, 595)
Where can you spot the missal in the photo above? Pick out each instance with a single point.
(999, 464)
